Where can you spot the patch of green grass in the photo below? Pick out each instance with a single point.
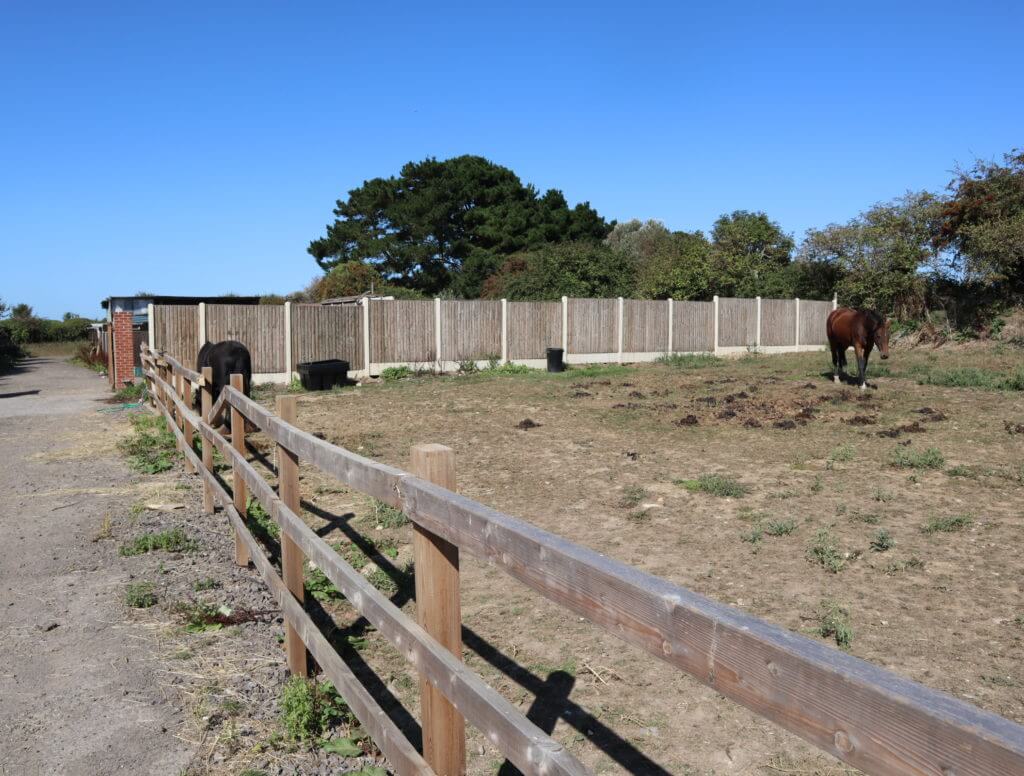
(688, 360)
(780, 527)
(632, 495)
(754, 536)
(508, 368)
(151, 447)
(961, 470)
(842, 453)
(309, 709)
(263, 525)
(716, 485)
(905, 458)
(387, 516)
(947, 524)
(824, 551)
(973, 377)
(394, 373)
(882, 541)
(140, 595)
(132, 392)
(209, 583)
(171, 540)
(834, 622)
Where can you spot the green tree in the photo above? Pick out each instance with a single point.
(22, 311)
(679, 267)
(4, 309)
(448, 224)
(750, 256)
(581, 268)
(880, 255)
(982, 223)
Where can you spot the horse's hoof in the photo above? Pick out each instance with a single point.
(836, 380)
(863, 386)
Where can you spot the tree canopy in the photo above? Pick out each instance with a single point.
(449, 224)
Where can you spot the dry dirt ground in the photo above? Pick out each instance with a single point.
(604, 463)
(77, 694)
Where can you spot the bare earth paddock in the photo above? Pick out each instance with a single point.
(936, 599)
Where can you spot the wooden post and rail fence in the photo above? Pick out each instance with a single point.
(861, 714)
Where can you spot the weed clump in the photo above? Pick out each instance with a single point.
(905, 458)
(310, 708)
(140, 595)
(150, 448)
(882, 541)
(632, 495)
(265, 526)
(834, 621)
(394, 373)
(172, 540)
(780, 527)
(387, 516)
(825, 551)
(947, 524)
(716, 485)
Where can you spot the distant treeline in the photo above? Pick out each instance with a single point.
(20, 324)
(468, 228)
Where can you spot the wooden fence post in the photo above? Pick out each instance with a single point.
(186, 386)
(238, 489)
(438, 610)
(177, 384)
(292, 559)
(206, 398)
(163, 396)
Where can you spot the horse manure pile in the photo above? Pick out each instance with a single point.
(861, 420)
(1013, 428)
(527, 424)
(930, 415)
(689, 420)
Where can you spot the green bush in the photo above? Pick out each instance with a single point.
(310, 708)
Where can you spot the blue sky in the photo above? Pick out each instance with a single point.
(183, 148)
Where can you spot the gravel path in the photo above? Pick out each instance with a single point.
(78, 693)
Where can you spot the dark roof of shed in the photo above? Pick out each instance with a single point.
(164, 299)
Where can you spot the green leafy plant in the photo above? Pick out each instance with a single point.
(387, 516)
(834, 621)
(716, 485)
(131, 392)
(394, 373)
(263, 525)
(882, 541)
(824, 551)
(171, 540)
(780, 527)
(150, 448)
(140, 595)
(468, 367)
(310, 708)
(905, 458)
(947, 524)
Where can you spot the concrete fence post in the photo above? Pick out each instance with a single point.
(757, 337)
(288, 366)
(714, 301)
(565, 327)
(504, 331)
(621, 332)
(671, 322)
(151, 326)
(797, 300)
(835, 301)
(366, 335)
(202, 324)
(437, 334)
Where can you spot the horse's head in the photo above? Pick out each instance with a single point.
(881, 335)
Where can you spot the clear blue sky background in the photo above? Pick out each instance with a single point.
(198, 148)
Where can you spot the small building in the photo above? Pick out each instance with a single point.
(357, 299)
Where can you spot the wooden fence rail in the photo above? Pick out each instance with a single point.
(864, 715)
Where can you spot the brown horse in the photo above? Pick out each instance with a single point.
(860, 329)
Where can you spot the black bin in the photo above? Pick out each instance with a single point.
(323, 375)
(555, 362)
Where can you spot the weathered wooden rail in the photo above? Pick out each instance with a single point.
(866, 716)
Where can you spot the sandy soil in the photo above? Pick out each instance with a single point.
(601, 466)
(77, 694)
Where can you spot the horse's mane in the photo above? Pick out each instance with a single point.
(875, 319)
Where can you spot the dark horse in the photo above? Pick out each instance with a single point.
(226, 358)
(860, 329)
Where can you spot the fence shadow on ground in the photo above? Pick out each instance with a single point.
(552, 695)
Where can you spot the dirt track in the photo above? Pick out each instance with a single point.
(78, 693)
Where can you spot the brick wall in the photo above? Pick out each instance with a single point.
(123, 354)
